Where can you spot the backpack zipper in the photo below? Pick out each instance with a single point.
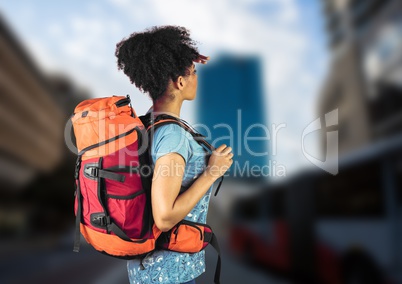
(192, 224)
(195, 223)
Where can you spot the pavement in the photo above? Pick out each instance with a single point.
(49, 260)
(62, 266)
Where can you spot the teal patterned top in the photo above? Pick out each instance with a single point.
(166, 266)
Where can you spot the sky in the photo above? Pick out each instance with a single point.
(78, 38)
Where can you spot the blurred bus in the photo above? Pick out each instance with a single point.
(320, 228)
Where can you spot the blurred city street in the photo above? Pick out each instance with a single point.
(308, 93)
(48, 261)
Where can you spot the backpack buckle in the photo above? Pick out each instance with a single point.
(91, 171)
(99, 220)
(95, 171)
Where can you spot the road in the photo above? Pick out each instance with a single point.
(52, 261)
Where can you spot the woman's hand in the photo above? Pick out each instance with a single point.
(202, 59)
(220, 161)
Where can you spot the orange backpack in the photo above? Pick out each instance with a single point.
(113, 183)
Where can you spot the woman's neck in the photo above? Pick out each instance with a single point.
(171, 107)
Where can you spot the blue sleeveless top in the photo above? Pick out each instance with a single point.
(165, 266)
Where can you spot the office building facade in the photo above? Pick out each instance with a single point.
(231, 109)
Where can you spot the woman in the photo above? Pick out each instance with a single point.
(160, 62)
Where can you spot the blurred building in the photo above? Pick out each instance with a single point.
(36, 169)
(231, 110)
(365, 77)
(30, 120)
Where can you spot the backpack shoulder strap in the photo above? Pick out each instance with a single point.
(163, 119)
(151, 124)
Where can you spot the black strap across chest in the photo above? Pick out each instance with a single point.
(152, 123)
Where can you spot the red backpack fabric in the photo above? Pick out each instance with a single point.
(113, 183)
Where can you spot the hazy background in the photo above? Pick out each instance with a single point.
(317, 221)
(78, 39)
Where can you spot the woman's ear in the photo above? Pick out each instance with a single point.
(180, 83)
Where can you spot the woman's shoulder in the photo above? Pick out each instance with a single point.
(171, 138)
(171, 129)
(170, 135)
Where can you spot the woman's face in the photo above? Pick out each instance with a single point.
(190, 88)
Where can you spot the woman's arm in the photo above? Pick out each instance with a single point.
(168, 207)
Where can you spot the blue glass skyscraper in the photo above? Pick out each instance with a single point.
(231, 109)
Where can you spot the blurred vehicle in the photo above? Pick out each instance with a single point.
(320, 228)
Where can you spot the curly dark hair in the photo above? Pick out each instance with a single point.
(153, 57)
